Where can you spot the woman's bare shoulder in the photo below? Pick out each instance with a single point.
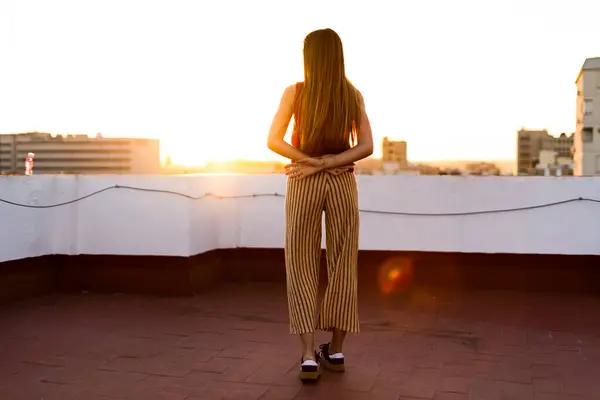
(290, 92)
(361, 99)
(291, 89)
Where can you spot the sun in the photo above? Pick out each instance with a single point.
(219, 143)
(194, 153)
(191, 153)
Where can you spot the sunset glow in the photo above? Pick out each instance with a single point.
(454, 79)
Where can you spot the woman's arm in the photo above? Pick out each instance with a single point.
(280, 125)
(364, 144)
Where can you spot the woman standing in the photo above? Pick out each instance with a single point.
(331, 132)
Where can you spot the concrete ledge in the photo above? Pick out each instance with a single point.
(381, 271)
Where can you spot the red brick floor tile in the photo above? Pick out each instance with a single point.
(277, 371)
(234, 344)
(235, 351)
(582, 385)
(155, 366)
(236, 390)
(498, 390)
(42, 390)
(450, 396)
(419, 385)
(214, 365)
(188, 389)
(384, 393)
(561, 396)
(546, 371)
(204, 340)
(455, 384)
(390, 379)
(143, 393)
(509, 373)
(356, 378)
(422, 383)
(122, 387)
(239, 370)
(546, 385)
(323, 392)
(193, 379)
(91, 396)
(281, 393)
(475, 369)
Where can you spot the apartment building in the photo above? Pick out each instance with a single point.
(586, 155)
(531, 144)
(78, 154)
(394, 152)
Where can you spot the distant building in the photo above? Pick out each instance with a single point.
(425, 169)
(368, 166)
(78, 154)
(393, 153)
(531, 144)
(586, 155)
(553, 163)
(482, 168)
(393, 160)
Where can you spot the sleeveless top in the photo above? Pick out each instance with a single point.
(324, 148)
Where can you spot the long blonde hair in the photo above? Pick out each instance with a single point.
(329, 106)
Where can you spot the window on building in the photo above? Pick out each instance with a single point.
(588, 107)
(587, 134)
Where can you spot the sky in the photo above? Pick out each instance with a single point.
(455, 79)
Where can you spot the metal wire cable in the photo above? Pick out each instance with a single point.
(218, 197)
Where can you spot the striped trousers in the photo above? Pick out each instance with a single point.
(306, 200)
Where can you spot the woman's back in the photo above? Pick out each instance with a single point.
(327, 107)
(323, 140)
(331, 126)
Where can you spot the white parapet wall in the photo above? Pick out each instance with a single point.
(145, 222)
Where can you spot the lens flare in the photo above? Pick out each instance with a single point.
(395, 275)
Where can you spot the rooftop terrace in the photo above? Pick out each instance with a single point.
(232, 343)
(491, 302)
